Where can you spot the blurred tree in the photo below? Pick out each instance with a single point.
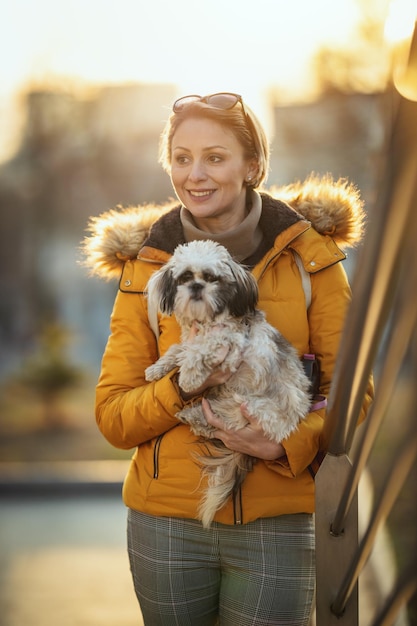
(81, 152)
(47, 373)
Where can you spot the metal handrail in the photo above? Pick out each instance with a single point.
(374, 287)
(398, 473)
(402, 324)
(403, 592)
(387, 271)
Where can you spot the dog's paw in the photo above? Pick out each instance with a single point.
(191, 376)
(215, 357)
(154, 372)
(196, 368)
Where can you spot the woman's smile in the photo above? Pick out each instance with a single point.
(200, 194)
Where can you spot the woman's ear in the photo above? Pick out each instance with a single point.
(252, 172)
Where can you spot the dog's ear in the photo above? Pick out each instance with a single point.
(245, 294)
(162, 289)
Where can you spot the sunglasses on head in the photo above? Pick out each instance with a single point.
(223, 100)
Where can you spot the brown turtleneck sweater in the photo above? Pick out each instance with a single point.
(242, 241)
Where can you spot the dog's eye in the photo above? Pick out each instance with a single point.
(209, 277)
(185, 277)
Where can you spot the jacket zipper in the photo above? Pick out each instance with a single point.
(237, 506)
(156, 456)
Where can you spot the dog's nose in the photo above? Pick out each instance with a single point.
(196, 289)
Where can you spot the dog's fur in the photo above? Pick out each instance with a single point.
(205, 288)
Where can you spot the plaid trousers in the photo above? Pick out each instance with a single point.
(258, 574)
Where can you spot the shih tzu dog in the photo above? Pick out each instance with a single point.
(211, 293)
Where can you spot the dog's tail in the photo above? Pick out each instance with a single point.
(225, 473)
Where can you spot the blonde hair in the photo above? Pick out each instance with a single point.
(243, 123)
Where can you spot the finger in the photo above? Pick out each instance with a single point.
(252, 420)
(205, 405)
(245, 412)
(211, 418)
(222, 354)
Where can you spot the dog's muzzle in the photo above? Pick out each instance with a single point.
(196, 291)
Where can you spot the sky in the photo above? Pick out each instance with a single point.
(200, 46)
(190, 43)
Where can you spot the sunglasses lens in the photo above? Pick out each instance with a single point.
(185, 101)
(222, 100)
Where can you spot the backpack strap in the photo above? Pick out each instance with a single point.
(153, 317)
(153, 320)
(305, 278)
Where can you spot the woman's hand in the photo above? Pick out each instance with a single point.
(250, 439)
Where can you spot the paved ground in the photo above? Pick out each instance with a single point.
(63, 562)
(62, 543)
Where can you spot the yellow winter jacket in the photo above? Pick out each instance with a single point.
(163, 478)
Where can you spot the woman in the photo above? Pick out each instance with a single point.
(255, 565)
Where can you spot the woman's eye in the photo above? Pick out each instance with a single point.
(215, 158)
(182, 160)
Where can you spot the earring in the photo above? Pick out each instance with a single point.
(248, 179)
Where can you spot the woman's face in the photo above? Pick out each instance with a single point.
(208, 173)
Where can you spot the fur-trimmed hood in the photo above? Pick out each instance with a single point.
(332, 207)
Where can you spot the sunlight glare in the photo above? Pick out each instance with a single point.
(400, 21)
(399, 28)
(165, 41)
